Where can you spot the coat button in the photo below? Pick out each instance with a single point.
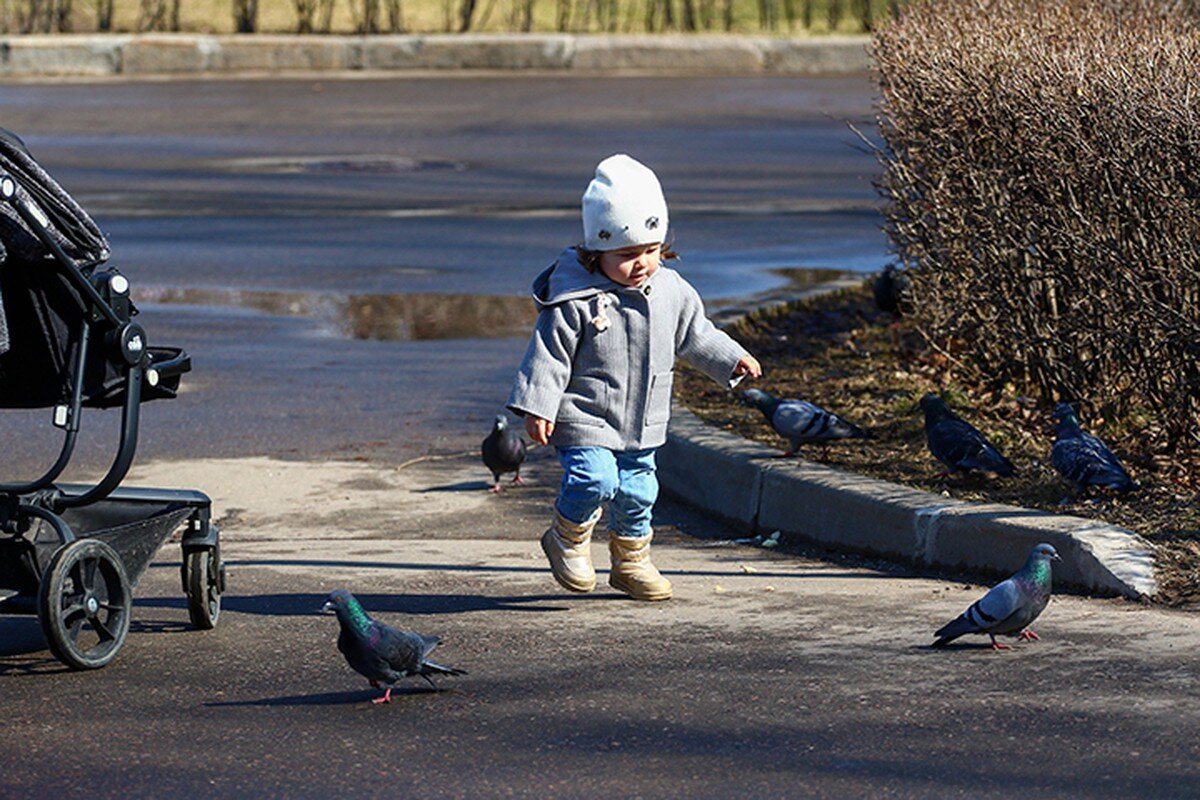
(646, 290)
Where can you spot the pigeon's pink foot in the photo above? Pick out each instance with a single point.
(518, 481)
(1000, 646)
(1028, 636)
(387, 696)
(495, 489)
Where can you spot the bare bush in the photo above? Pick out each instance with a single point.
(1042, 180)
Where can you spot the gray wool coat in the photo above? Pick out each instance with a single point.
(601, 359)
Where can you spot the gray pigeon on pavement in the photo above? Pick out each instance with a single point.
(380, 652)
(1083, 458)
(957, 444)
(503, 451)
(1010, 606)
(801, 422)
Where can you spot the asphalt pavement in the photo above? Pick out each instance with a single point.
(336, 461)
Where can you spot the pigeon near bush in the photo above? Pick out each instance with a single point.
(1010, 606)
(380, 652)
(957, 444)
(891, 290)
(1083, 458)
(503, 451)
(801, 422)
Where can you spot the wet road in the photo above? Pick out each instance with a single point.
(319, 194)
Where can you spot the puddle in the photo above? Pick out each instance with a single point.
(426, 316)
(384, 317)
(373, 164)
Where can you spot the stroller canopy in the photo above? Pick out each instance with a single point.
(41, 311)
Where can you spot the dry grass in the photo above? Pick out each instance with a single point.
(841, 353)
(424, 16)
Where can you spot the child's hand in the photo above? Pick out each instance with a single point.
(538, 429)
(748, 366)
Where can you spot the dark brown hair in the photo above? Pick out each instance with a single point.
(591, 258)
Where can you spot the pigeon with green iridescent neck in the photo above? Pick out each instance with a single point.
(1083, 458)
(1010, 606)
(380, 652)
(801, 422)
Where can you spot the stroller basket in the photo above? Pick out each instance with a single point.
(68, 340)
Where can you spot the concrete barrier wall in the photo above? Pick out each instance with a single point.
(65, 55)
(751, 486)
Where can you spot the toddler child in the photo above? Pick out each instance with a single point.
(596, 379)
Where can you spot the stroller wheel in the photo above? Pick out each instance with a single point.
(84, 604)
(203, 573)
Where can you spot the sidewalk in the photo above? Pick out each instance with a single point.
(143, 55)
(769, 670)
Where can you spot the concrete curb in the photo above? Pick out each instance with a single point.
(81, 55)
(762, 493)
(749, 485)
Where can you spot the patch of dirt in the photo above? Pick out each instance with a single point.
(840, 352)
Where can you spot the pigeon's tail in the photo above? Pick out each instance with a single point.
(437, 669)
(960, 626)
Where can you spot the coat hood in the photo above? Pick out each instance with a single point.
(566, 279)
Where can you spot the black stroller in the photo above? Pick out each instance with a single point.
(72, 553)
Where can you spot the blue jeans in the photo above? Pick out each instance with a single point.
(625, 480)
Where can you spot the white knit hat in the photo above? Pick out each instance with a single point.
(623, 206)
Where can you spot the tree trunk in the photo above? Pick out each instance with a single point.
(245, 15)
(466, 15)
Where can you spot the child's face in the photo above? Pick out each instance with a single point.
(631, 266)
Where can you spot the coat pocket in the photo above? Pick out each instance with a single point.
(658, 399)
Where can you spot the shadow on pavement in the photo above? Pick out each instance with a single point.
(324, 698)
(305, 605)
(461, 486)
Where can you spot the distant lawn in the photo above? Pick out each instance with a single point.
(425, 16)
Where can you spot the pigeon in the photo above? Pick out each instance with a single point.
(957, 444)
(1082, 458)
(503, 451)
(892, 288)
(380, 652)
(801, 422)
(1010, 606)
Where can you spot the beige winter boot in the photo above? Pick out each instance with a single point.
(568, 546)
(632, 572)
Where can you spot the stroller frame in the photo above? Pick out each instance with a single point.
(82, 580)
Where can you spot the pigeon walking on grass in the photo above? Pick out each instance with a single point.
(380, 652)
(1082, 458)
(801, 422)
(1010, 606)
(503, 451)
(957, 444)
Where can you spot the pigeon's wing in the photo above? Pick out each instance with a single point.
(1087, 461)
(512, 448)
(801, 421)
(1106, 468)
(428, 643)
(989, 614)
(796, 419)
(490, 449)
(401, 650)
(958, 445)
